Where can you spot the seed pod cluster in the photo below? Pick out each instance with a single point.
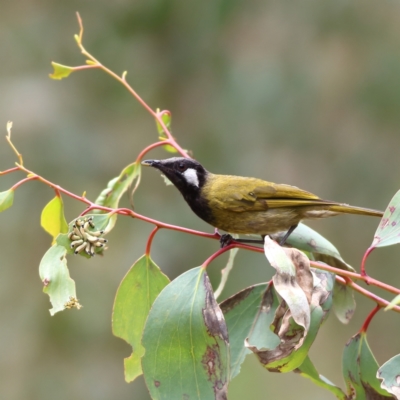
(84, 239)
(72, 303)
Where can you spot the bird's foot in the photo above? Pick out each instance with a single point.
(225, 240)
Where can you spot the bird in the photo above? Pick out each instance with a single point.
(245, 205)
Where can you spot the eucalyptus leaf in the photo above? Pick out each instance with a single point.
(360, 370)
(186, 342)
(389, 373)
(55, 276)
(52, 219)
(6, 199)
(388, 231)
(240, 311)
(135, 296)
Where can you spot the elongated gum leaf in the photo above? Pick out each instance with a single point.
(52, 219)
(388, 231)
(344, 303)
(6, 199)
(60, 71)
(308, 370)
(360, 369)
(186, 342)
(389, 373)
(135, 296)
(240, 310)
(57, 283)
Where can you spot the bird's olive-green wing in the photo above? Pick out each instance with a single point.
(250, 194)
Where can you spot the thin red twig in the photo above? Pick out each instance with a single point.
(369, 319)
(150, 240)
(7, 171)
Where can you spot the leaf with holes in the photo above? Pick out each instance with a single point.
(186, 342)
(54, 274)
(135, 296)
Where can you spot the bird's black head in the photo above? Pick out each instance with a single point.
(186, 174)
(189, 177)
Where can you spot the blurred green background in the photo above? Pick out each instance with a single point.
(305, 93)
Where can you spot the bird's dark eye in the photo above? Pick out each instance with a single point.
(182, 167)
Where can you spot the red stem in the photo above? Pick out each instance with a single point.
(369, 319)
(151, 147)
(150, 240)
(7, 171)
(349, 274)
(22, 181)
(366, 254)
(216, 236)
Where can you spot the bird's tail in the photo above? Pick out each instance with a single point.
(347, 209)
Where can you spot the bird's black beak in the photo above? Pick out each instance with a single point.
(151, 163)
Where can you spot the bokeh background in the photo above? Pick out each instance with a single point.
(305, 93)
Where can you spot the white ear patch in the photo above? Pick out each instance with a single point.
(191, 177)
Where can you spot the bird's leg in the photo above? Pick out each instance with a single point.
(287, 234)
(225, 240)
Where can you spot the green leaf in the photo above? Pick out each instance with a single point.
(166, 118)
(360, 370)
(308, 370)
(389, 374)
(135, 296)
(6, 199)
(261, 335)
(240, 310)
(344, 304)
(186, 342)
(388, 231)
(52, 219)
(117, 187)
(61, 71)
(54, 274)
(306, 239)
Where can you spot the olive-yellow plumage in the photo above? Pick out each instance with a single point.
(243, 205)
